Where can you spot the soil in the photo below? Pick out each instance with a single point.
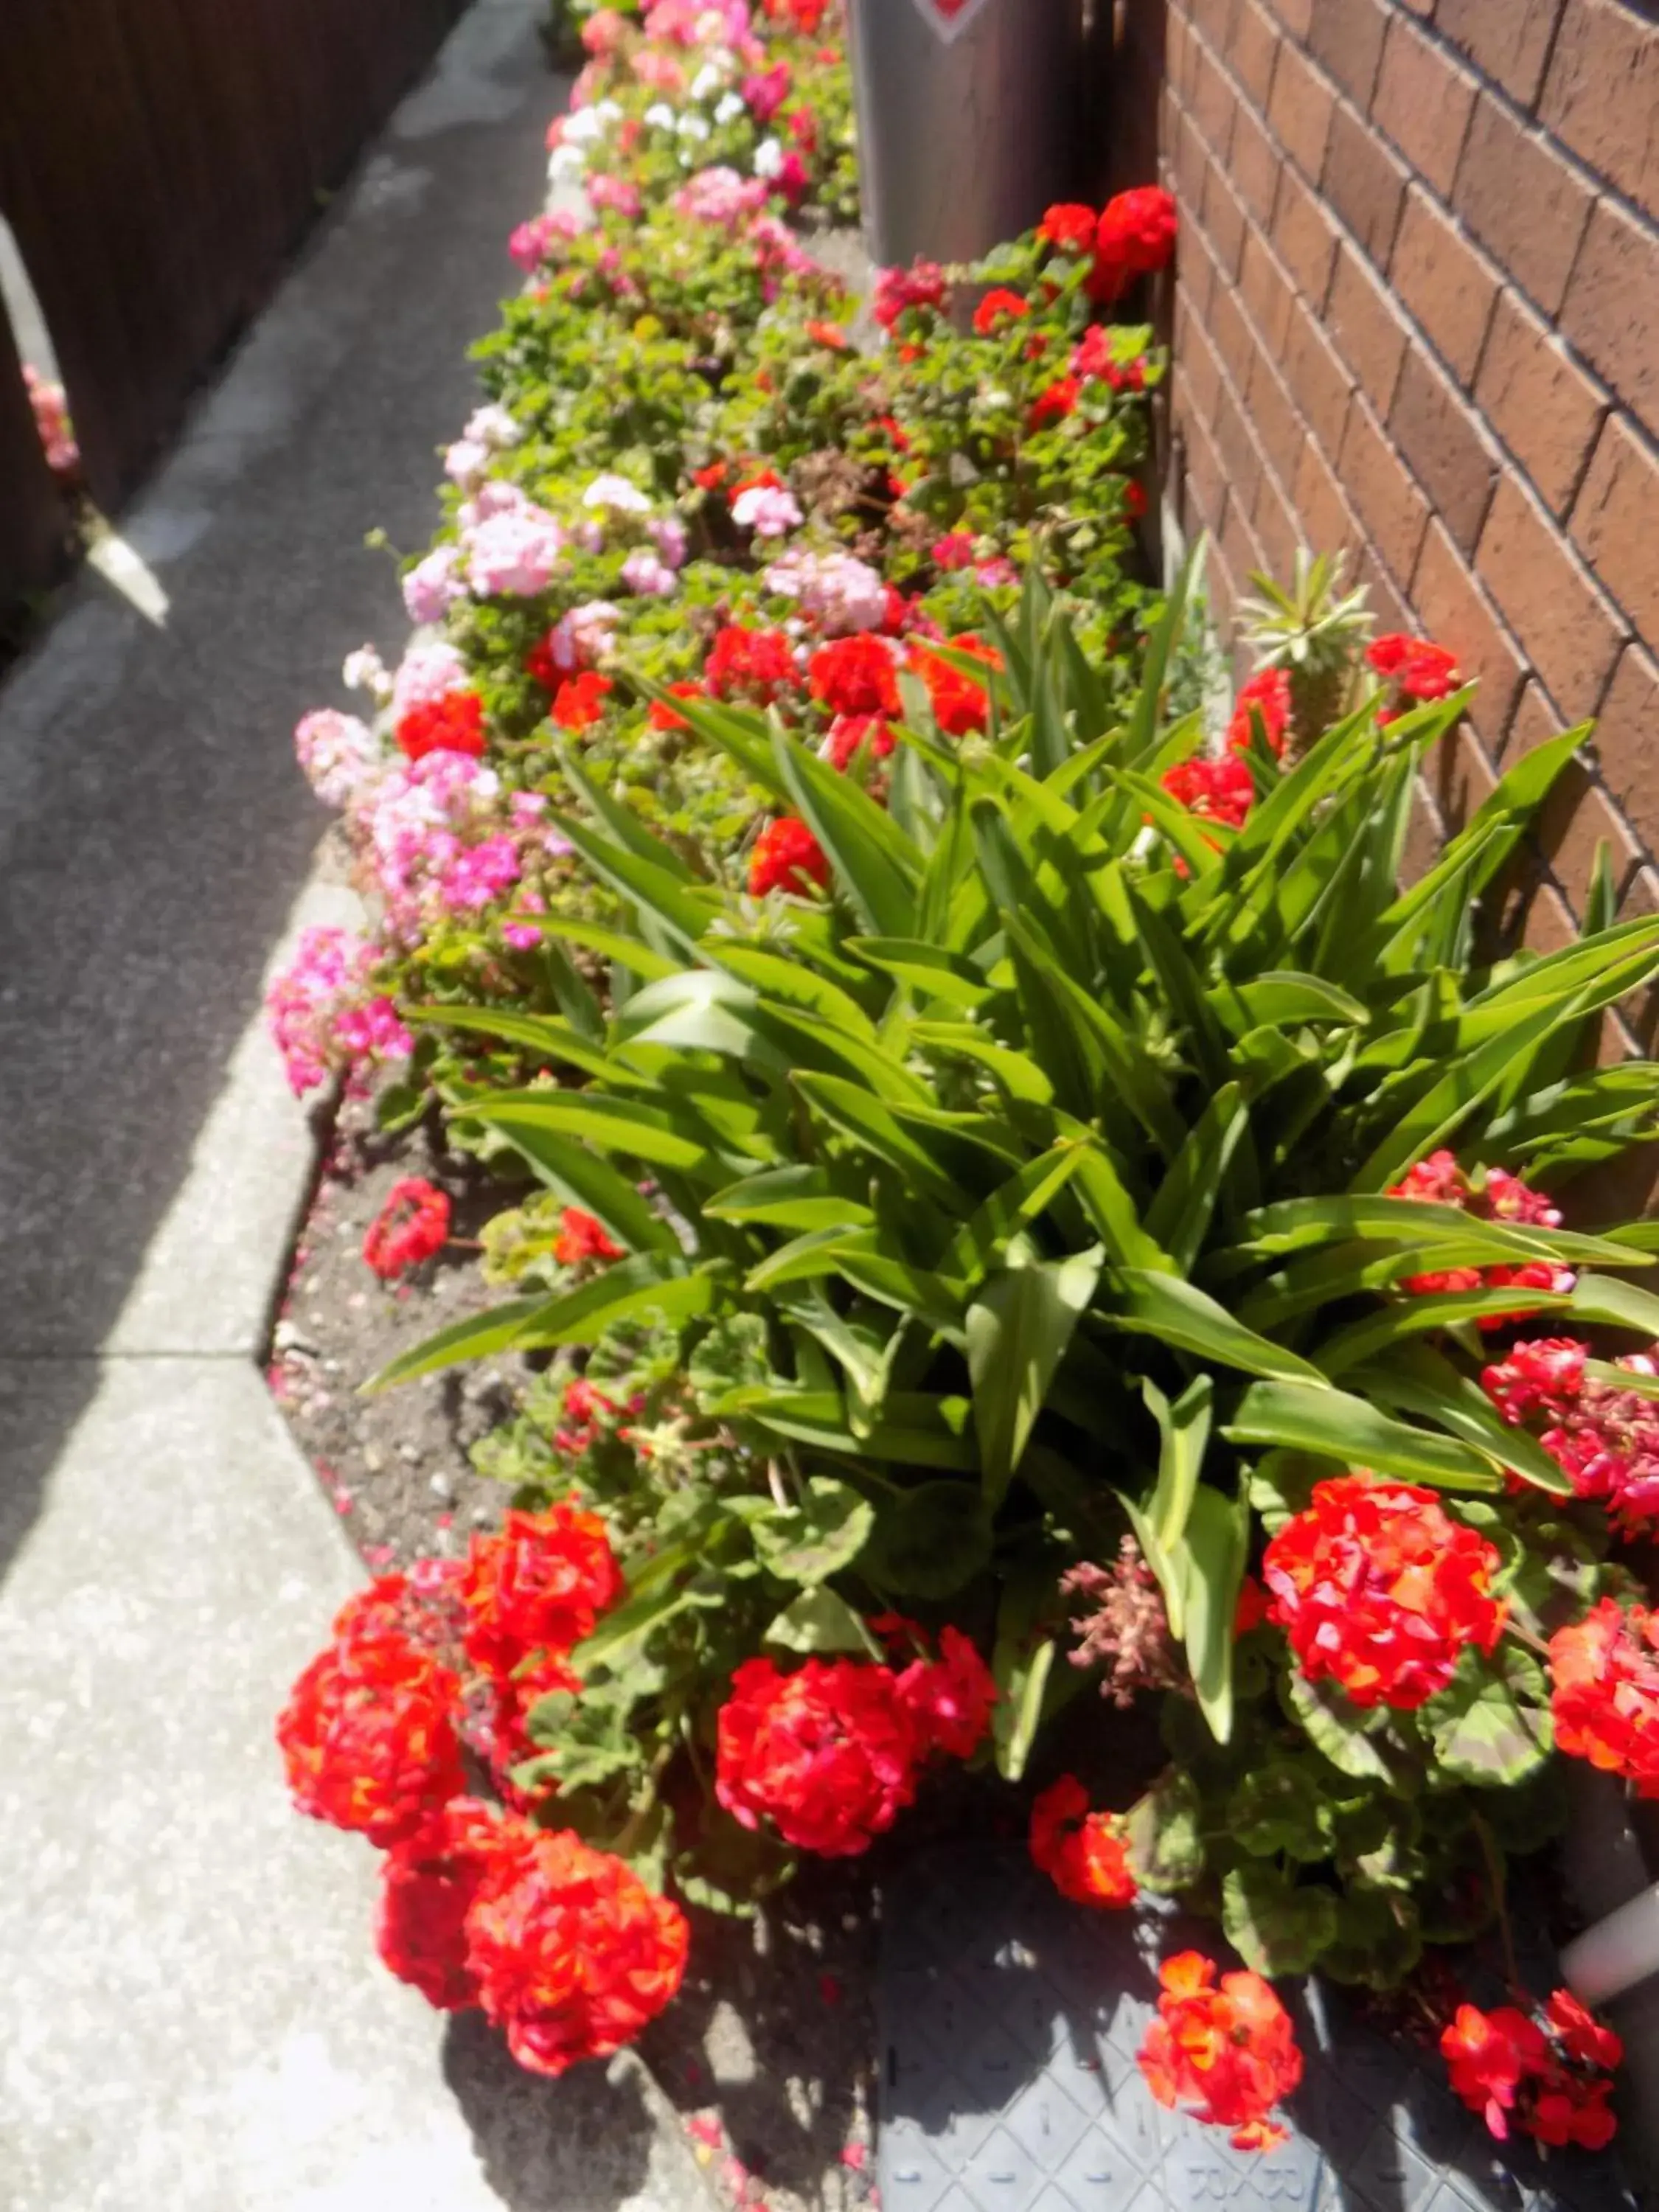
(767, 2053)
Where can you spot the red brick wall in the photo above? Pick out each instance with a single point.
(1417, 320)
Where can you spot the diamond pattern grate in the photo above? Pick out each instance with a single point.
(1009, 2024)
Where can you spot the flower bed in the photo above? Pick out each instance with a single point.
(1025, 1202)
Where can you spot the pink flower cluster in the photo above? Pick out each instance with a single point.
(322, 1018)
(1604, 1438)
(512, 548)
(838, 591)
(51, 422)
(1495, 1195)
(337, 753)
(720, 196)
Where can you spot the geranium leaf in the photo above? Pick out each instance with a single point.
(1166, 1842)
(1276, 1927)
(819, 1535)
(928, 1541)
(818, 1620)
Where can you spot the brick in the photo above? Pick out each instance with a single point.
(1445, 447)
(1295, 15)
(1213, 104)
(1252, 53)
(1548, 599)
(1601, 96)
(1423, 839)
(1224, 219)
(1522, 201)
(1319, 382)
(1275, 528)
(1253, 165)
(1535, 720)
(1196, 369)
(1443, 282)
(1304, 237)
(1300, 110)
(1366, 328)
(1549, 924)
(1576, 817)
(1423, 102)
(1461, 776)
(1265, 292)
(1364, 183)
(1177, 53)
(1235, 441)
(1321, 505)
(1614, 520)
(1346, 36)
(1457, 613)
(1223, 595)
(1240, 547)
(1390, 610)
(1229, 334)
(1214, 19)
(1392, 508)
(1279, 427)
(1612, 309)
(1507, 41)
(1204, 480)
(1191, 164)
(1537, 399)
(1196, 265)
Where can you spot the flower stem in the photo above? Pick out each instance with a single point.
(1494, 1859)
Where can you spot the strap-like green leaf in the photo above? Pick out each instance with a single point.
(646, 1133)
(1179, 1217)
(587, 1180)
(875, 864)
(480, 1336)
(1353, 1432)
(1178, 1313)
(540, 1034)
(1019, 1327)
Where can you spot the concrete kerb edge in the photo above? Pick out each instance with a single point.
(220, 1174)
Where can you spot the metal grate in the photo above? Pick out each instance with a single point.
(1009, 2024)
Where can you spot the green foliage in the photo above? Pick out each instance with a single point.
(1044, 1165)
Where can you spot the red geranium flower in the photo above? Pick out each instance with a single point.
(1221, 790)
(786, 857)
(950, 1699)
(1094, 355)
(662, 715)
(368, 1738)
(849, 733)
(454, 724)
(1228, 2052)
(1267, 694)
(572, 1954)
(538, 1583)
(581, 700)
(709, 477)
(1546, 2069)
(1604, 1676)
(827, 334)
(999, 305)
(1379, 1589)
(1070, 226)
(412, 1226)
(1135, 236)
(581, 1237)
(750, 664)
(1422, 669)
(427, 1886)
(1082, 1853)
(1055, 404)
(854, 675)
(960, 702)
(1497, 1195)
(921, 285)
(827, 1754)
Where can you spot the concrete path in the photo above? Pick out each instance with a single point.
(192, 2018)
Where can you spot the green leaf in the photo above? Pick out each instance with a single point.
(873, 1124)
(1615, 1303)
(649, 1283)
(875, 863)
(1185, 1429)
(928, 1541)
(1364, 1745)
(816, 1538)
(798, 1197)
(818, 1620)
(928, 970)
(1179, 1217)
(478, 1337)
(1353, 1432)
(1281, 1807)
(1276, 1927)
(1165, 1834)
(1216, 1544)
(1419, 1316)
(1178, 1313)
(584, 1179)
(1022, 1684)
(1483, 1733)
(549, 1040)
(647, 1133)
(1018, 1328)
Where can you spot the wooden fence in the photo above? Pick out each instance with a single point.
(158, 164)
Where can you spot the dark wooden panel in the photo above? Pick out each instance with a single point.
(159, 161)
